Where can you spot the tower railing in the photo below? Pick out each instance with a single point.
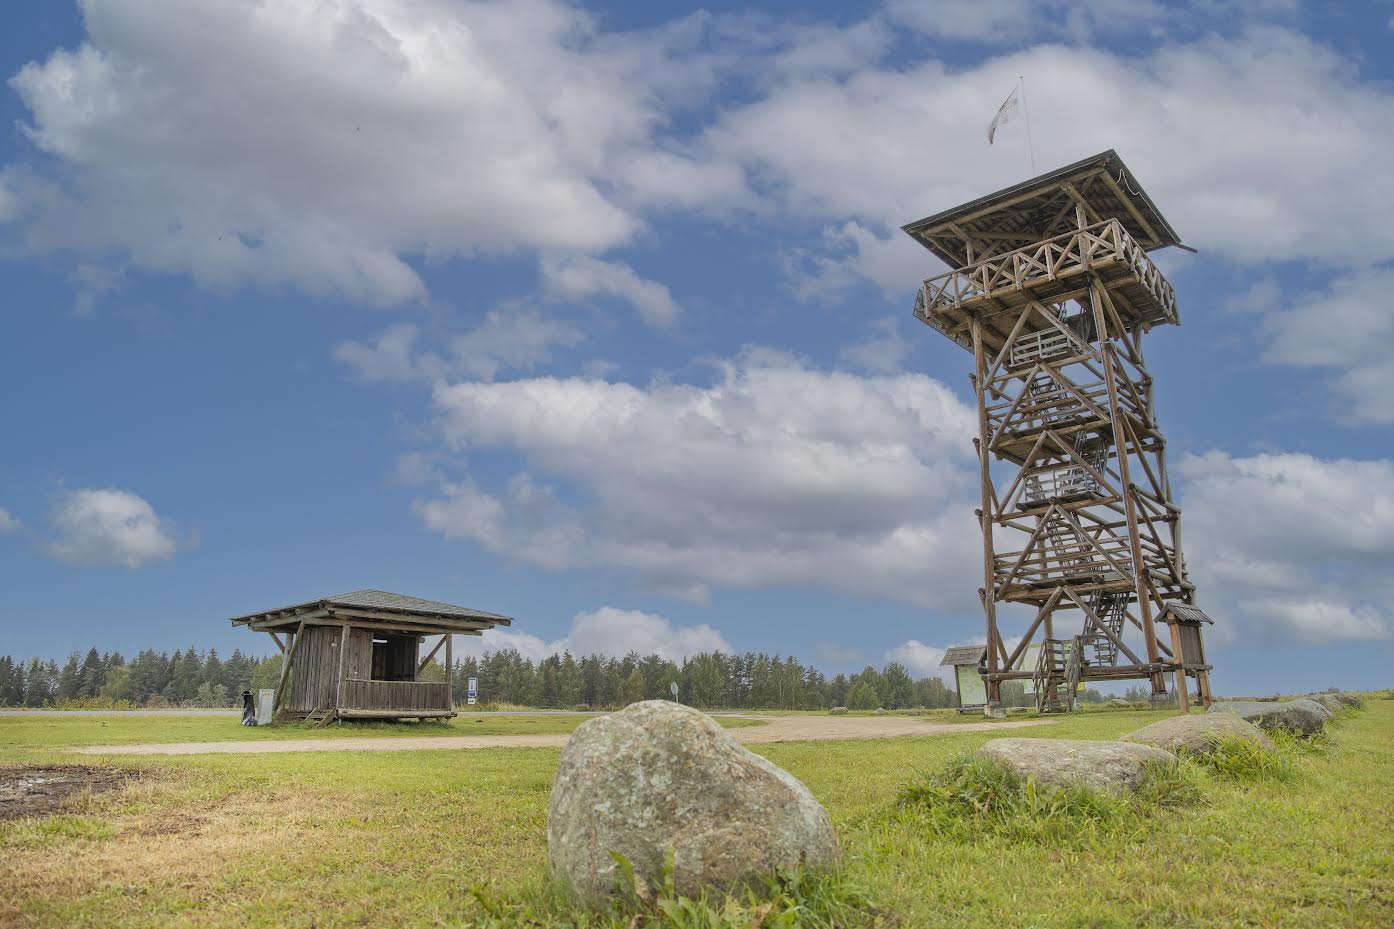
(1093, 248)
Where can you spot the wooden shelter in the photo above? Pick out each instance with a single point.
(358, 655)
(967, 662)
(1052, 290)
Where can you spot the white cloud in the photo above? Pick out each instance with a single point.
(508, 338)
(922, 660)
(317, 143)
(1248, 143)
(609, 631)
(108, 527)
(883, 351)
(8, 523)
(1347, 329)
(578, 278)
(390, 358)
(1291, 546)
(774, 474)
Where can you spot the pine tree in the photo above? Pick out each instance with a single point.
(7, 677)
(39, 683)
(898, 690)
(91, 675)
(632, 690)
(69, 679)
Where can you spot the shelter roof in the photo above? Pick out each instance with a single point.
(1043, 207)
(1186, 613)
(963, 654)
(382, 605)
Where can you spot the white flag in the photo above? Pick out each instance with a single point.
(1005, 114)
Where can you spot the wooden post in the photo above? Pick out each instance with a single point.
(1183, 699)
(287, 659)
(344, 636)
(1141, 581)
(989, 595)
(450, 671)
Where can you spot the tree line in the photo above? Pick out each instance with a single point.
(751, 680)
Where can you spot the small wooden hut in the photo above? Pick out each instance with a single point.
(966, 660)
(358, 655)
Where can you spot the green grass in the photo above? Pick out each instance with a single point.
(458, 838)
(23, 738)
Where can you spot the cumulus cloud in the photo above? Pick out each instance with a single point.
(578, 278)
(1206, 123)
(609, 631)
(8, 523)
(775, 473)
(320, 144)
(883, 351)
(1296, 546)
(372, 134)
(922, 660)
(108, 527)
(1347, 329)
(511, 338)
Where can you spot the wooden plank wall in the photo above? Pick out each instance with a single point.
(315, 674)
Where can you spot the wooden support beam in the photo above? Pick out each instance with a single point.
(989, 591)
(427, 660)
(344, 635)
(286, 661)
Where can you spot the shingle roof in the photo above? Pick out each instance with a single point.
(1187, 613)
(386, 602)
(963, 654)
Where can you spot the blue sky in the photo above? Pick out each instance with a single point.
(599, 316)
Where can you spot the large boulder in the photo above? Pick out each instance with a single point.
(1198, 735)
(1301, 716)
(1346, 699)
(838, 711)
(1113, 767)
(1332, 703)
(659, 777)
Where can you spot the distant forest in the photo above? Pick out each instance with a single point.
(191, 678)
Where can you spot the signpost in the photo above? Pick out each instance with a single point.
(472, 697)
(266, 700)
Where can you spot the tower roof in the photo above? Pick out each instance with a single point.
(1043, 207)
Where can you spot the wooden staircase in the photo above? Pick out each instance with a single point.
(1111, 607)
(1057, 675)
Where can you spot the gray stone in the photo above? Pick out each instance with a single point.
(1346, 699)
(1332, 703)
(838, 711)
(1113, 767)
(1302, 716)
(1198, 735)
(660, 777)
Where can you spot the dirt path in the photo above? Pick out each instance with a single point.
(776, 729)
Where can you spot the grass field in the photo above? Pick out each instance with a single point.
(27, 738)
(456, 838)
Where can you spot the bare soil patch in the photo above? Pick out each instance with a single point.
(41, 790)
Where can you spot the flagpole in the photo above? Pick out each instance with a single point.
(1031, 149)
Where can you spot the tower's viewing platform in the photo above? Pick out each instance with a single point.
(1043, 241)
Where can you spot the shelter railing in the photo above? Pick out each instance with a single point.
(395, 695)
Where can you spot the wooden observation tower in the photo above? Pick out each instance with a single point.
(1052, 292)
